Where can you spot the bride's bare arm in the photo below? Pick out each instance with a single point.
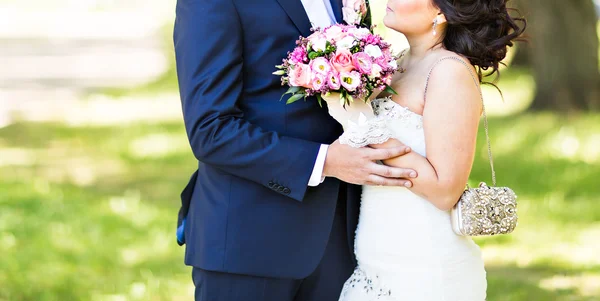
(450, 120)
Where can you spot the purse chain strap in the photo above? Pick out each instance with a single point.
(485, 121)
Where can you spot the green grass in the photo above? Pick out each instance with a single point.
(88, 213)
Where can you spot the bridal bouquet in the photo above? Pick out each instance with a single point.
(346, 59)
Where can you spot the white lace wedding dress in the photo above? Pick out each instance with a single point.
(405, 246)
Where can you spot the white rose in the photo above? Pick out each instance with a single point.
(332, 32)
(319, 44)
(375, 71)
(362, 33)
(346, 43)
(351, 16)
(373, 51)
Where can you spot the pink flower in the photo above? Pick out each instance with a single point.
(300, 76)
(335, 33)
(342, 61)
(298, 56)
(362, 62)
(387, 79)
(350, 80)
(333, 81)
(372, 39)
(318, 82)
(383, 62)
(320, 65)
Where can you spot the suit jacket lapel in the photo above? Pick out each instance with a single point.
(295, 10)
(337, 5)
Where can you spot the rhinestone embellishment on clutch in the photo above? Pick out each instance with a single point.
(486, 211)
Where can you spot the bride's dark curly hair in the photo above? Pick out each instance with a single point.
(480, 30)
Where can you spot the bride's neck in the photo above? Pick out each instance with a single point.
(420, 46)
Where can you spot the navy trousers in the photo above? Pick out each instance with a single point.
(324, 284)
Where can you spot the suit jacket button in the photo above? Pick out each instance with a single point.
(271, 184)
(276, 186)
(287, 191)
(280, 188)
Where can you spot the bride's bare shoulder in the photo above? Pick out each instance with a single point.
(438, 62)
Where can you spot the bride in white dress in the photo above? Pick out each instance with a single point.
(405, 246)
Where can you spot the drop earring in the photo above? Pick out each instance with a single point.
(435, 24)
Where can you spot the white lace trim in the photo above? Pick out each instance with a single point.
(376, 130)
(366, 132)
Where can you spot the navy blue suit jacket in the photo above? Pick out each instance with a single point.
(250, 208)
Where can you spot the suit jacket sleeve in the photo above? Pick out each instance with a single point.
(208, 42)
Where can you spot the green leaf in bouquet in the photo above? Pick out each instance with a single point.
(330, 48)
(313, 55)
(343, 98)
(389, 89)
(295, 98)
(368, 95)
(280, 72)
(319, 100)
(349, 98)
(291, 90)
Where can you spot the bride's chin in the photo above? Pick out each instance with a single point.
(386, 20)
(389, 23)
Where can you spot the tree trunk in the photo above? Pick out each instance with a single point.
(522, 50)
(564, 54)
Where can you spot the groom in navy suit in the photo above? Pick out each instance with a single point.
(268, 215)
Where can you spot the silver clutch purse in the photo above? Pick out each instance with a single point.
(485, 211)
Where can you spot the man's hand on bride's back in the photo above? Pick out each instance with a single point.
(358, 165)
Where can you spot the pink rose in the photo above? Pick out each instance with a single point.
(335, 33)
(362, 62)
(300, 76)
(333, 81)
(350, 80)
(342, 61)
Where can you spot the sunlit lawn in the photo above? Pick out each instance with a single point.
(88, 213)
